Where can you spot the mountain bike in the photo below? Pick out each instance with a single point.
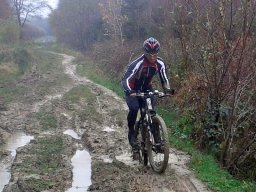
(152, 135)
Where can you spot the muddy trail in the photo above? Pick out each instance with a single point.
(57, 142)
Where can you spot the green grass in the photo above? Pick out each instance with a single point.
(204, 165)
(86, 68)
(38, 185)
(44, 160)
(9, 91)
(82, 96)
(47, 120)
(55, 48)
(22, 58)
(16, 63)
(78, 93)
(46, 61)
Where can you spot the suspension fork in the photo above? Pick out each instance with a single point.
(149, 124)
(146, 122)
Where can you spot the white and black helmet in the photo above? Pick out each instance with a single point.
(151, 46)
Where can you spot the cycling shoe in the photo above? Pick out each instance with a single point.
(159, 148)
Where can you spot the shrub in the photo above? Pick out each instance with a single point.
(9, 32)
(22, 59)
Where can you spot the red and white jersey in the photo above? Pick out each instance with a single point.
(140, 72)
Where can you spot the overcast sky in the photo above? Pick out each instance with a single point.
(53, 4)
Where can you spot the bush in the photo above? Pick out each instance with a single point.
(22, 58)
(14, 60)
(9, 32)
(113, 57)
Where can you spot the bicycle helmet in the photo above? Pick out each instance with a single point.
(151, 46)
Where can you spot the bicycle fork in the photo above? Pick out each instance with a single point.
(151, 136)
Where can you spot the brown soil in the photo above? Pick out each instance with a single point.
(103, 133)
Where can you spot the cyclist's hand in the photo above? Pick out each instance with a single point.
(130, 93)
(169, 91)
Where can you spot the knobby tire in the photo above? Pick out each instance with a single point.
(159, 167)
(144, 148)
(141, 136)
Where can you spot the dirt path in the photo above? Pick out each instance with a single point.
(100, 124)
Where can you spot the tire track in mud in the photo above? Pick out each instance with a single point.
(106, 140)
(20, 116)
(112, 165)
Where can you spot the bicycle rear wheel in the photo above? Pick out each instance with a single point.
(158, 153)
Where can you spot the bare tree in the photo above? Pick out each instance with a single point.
(77, 23)
(222, 49)
(111, 13)
(25, 8)
(5, 10)
(220, 42)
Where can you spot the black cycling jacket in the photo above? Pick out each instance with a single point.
(140, 72)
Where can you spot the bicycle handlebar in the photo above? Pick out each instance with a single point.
(150, 93)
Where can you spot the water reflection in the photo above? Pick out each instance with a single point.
(15, 141)
(72, 134)
(81, 163)
(108, 129)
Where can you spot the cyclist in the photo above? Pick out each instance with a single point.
(138, 78)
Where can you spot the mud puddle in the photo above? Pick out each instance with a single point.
(81, 163)
(109, 166)
(16, 140)
(72, 134)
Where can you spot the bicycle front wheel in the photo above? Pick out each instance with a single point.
(158, 145)
(140, 132)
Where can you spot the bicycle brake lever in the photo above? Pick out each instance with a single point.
(161, 94)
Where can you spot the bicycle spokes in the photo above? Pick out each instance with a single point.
(152, 134)
(159, 148)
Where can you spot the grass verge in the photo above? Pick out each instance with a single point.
(86, 68)
(203, 165)
(26, 63)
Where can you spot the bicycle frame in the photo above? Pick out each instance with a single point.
(147, 111)
(149, 148)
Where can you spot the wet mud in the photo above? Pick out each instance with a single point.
(86, 134)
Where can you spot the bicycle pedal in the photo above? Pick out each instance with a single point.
(160, 149)
(135, 150)
(136, 156)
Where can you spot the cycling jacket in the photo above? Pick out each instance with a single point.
(140, 72)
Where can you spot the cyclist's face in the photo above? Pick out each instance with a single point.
(151, 57)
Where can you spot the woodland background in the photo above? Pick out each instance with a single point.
(208, 46)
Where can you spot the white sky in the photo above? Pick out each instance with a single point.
(53, 4)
